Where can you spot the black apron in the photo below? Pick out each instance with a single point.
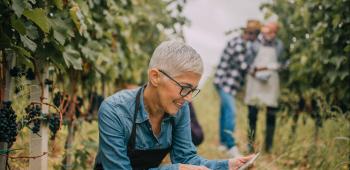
(142, 159)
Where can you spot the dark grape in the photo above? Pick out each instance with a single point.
(14, 71)
(54, 125)
(8, 125)
(36, 127)
(57, 99)
(48, 82)
(17, 71)
(33, 116)
(30, 74)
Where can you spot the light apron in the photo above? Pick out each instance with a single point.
(260, 92)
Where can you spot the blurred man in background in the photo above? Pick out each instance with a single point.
(229, 78)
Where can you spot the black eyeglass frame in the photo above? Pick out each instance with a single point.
(182, 94)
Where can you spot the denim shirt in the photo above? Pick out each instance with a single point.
(115, 124)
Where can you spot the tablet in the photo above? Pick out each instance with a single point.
(250, 162)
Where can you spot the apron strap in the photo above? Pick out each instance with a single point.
(132, 139)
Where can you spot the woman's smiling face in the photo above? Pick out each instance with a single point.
(169, 91)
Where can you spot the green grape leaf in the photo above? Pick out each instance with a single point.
(59, 37)
(347, 49)
(58, 3)
(18, 7)
(337, 61)
(28, 43)
(21, 51)
(32, 31)
(336, 20)
(72, 58)
(38, 16)
(88, 53)
(18, 25)
(343, 75)
(62, 30)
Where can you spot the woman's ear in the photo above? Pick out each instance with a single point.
(154, 77)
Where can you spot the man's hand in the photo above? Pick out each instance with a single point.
(236, 163)
(192, 167)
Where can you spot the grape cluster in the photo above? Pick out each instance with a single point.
(30, 74)
(34, 115)
(54, 124)
(8, 125)
(19, 71)
(57, 99)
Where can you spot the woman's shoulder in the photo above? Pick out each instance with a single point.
(122, 101)
(123, 96)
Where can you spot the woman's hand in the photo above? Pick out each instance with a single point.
(192, 167)
(236, 163)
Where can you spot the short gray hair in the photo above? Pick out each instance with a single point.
(175, 57)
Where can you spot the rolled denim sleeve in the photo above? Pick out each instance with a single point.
(113, 148)
(184, 151)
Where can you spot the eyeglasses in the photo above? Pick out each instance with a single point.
(185, 89)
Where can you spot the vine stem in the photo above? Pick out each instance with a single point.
(24, 157)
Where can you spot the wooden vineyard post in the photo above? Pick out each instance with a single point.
(39, 144)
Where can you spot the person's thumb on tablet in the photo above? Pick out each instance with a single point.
(236, 163)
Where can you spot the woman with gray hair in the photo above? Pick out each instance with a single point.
(139, 127)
